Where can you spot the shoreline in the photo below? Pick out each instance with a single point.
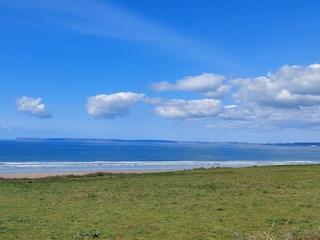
(61, 173)
(35, 175)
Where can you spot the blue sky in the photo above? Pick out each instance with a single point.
(202, 70)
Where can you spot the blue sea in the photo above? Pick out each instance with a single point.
(37, 155)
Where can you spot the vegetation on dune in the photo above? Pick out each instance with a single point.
(279, 202)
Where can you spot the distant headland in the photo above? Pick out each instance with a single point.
(304, 144)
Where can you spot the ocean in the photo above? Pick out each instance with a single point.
(38, 155)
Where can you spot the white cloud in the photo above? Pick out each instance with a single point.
(290, 87)
(288, 98)
(234, 112)
(189, 109)
(267, 118)
(33, 107)
(234, 124)
(207, 83)
(303, 117)
(112, 105)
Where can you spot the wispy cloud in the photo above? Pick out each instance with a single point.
(116, 22)
(4, 127)
(32, 106)
(112, 105)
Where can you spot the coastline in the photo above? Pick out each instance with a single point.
(35, 175)
(63, 172)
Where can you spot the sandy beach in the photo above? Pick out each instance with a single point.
(33, 175)
(40, 174)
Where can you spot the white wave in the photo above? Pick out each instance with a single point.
(134, 165)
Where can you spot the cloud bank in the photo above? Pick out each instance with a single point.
(287, 98)
(112, 105)
(33, 107)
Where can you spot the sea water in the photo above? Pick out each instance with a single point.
(36, 155)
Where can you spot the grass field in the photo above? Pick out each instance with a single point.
(221, 203)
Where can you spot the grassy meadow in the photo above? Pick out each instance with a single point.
(220, 203)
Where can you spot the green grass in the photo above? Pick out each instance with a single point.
(222, 203)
